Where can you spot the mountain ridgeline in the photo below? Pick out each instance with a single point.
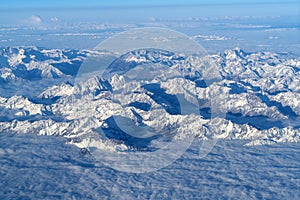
(147, 90)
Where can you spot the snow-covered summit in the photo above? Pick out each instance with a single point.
(33, 63)
(257, 93)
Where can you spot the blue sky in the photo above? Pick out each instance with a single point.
(79, 3)
(13, 12)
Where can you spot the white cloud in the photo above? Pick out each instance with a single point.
(54, 19)
(152, 19)
(34, 19)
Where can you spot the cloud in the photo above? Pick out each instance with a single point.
(34, 21)
(54, 19)
(152, 19)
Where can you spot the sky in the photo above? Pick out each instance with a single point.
(64, 23)
(129, 3)
(15, 11)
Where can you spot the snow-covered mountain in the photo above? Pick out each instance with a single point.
(258, 95)
(33, 63)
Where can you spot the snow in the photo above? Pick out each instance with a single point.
(54, 144)
(21, 104)
(16, 59)
(7, 74)
(288, 99)
(258, 105)
(211, 37)
(57, 90)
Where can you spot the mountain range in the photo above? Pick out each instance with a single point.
(146, 91)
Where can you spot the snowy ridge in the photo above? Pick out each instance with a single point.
(259, 95)
(31, 63)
